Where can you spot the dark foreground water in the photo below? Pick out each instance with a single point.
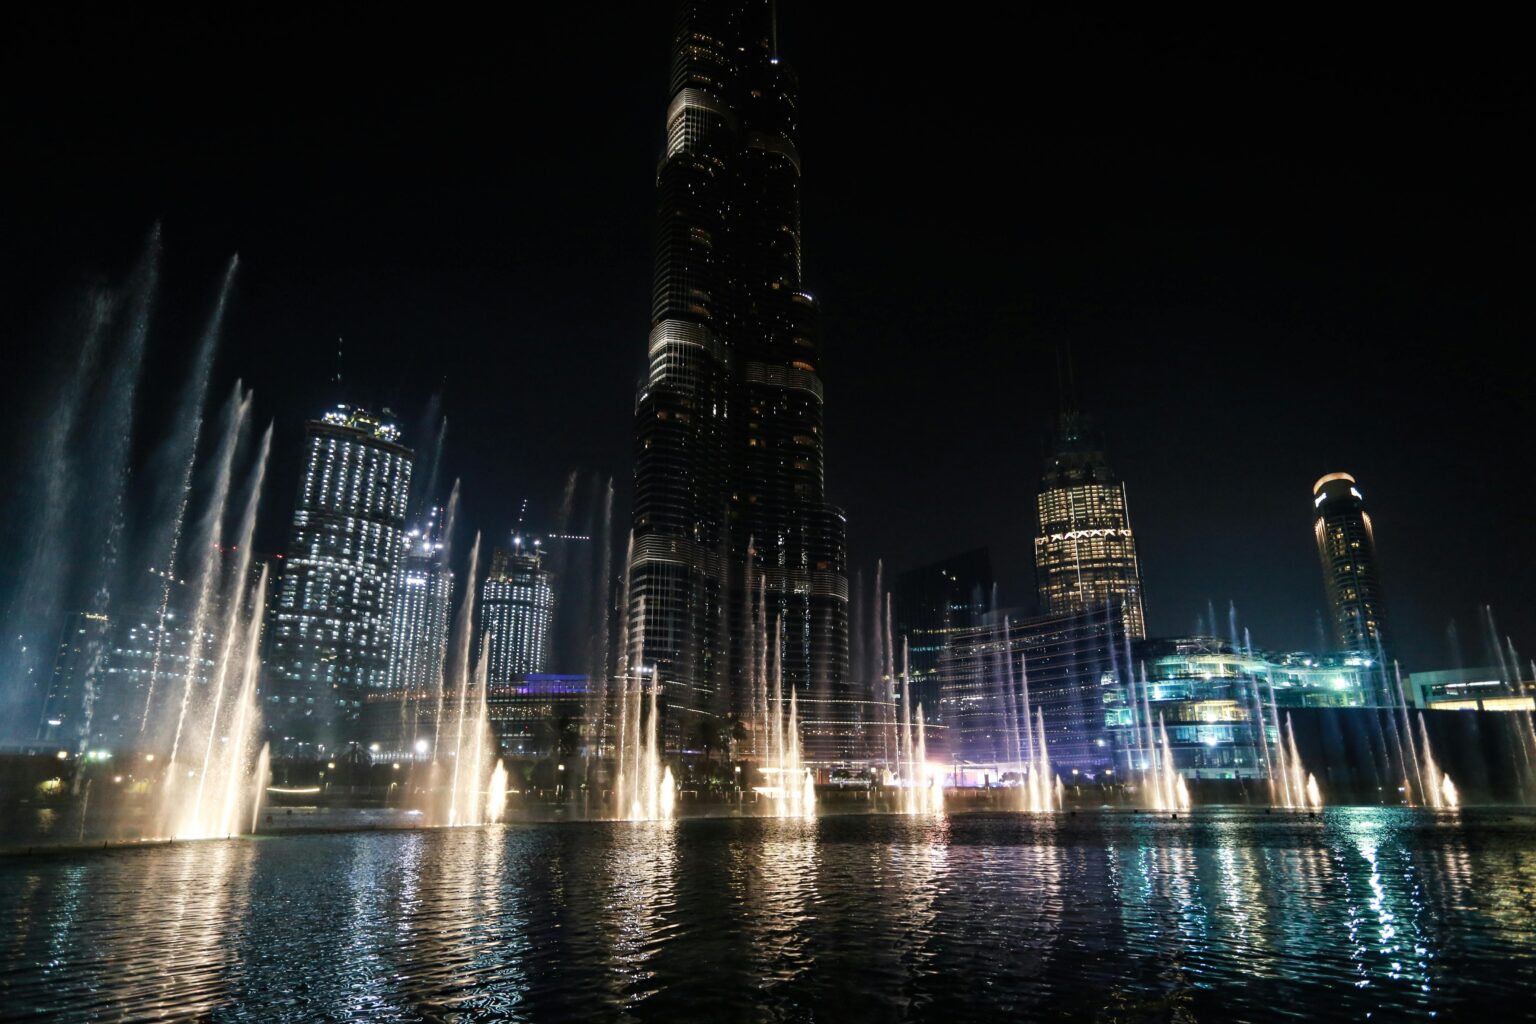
(1230, 915)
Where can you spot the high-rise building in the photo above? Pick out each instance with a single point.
(1066, 664)
(730, 498)
(1085, 553)
(517, 610)
(931, 604)
(330, 638)
(109, 664)
(422, 593)
(1346, 545)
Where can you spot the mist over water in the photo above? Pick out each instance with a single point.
(70, 515)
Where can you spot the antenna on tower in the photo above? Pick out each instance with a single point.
(338, 362)
(1066, 381)
(773, 29)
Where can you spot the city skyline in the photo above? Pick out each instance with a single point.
(1247, 549)
(741, 509)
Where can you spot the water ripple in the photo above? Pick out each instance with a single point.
(1227, 915)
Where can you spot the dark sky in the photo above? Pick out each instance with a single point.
(1278, 245)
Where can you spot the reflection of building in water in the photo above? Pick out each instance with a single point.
(117, 657)
(1068, 663)
(1205, 692)
(1469, 689)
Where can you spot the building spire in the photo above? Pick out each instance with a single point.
(1066, 381)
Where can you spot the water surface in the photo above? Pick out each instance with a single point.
(1363, 914)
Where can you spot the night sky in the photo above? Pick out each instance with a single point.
(1276, 249)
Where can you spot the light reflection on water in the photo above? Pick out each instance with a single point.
(1229, 914)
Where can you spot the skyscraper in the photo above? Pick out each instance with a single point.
(1085, 553)
(730, 504)
(933, 603)
(330, 640)
(421, 595)
(118, 658)
(1061, 667)
(517, 609)
(1346, 545)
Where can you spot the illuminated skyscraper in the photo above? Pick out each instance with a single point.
(422, 592)
(517, 610)
(331, 635)
(729, 491)
(1347, 547)
(1085, 553)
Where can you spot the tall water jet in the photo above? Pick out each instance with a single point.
(1166, 788)
(42, 507)
(217, 723)
(1041, 790)
(921, 789)
(1439, 791)
(1300, 786)
(232, 776)
(111, 449)
(210, 542)
(164, 548)
(462, 631)
(218, 728)
(643, 789)
(788, 787)
(496, 794)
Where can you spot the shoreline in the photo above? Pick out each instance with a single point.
(45, 850)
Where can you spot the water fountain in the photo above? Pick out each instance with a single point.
(496, 794)
(1163, 787)
(922, 788)
(1036, 791)
(789, 788)
(1037, 794)
(1299, 785)
(471, 787)
(643, 788)
(1439, 792)
(214, 776)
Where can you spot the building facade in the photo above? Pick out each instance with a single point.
(1487, 688)
(517, 611)
(1222, 708)
(421, 597)
(730, 509)
(931, 603)
(1063, 667)
(1085, 552)
(329, 642)
(539, 714)
(115, 662)
(1346, 546)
